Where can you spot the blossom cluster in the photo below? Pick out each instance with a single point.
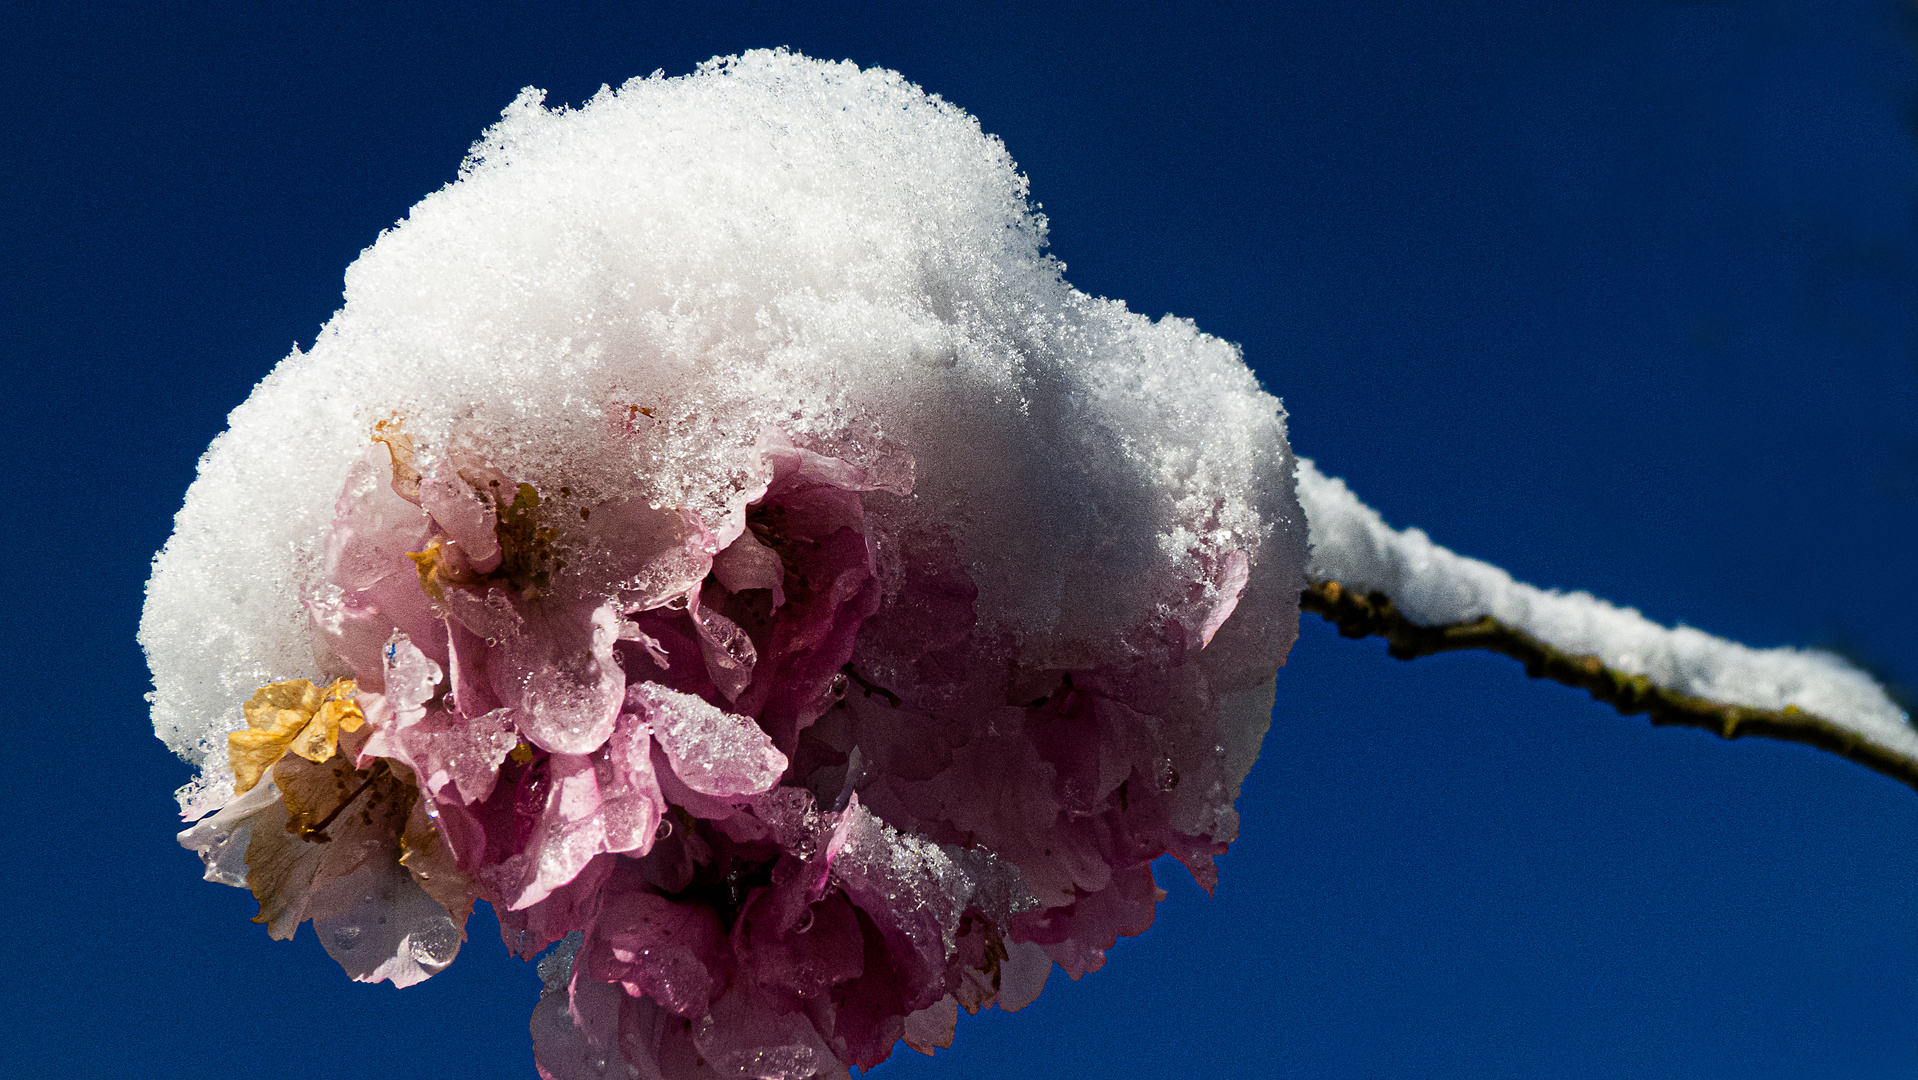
(676, 772)
(716, 536)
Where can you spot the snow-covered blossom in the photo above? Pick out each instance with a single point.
(714, 533)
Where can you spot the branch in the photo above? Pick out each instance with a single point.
(1373, 615)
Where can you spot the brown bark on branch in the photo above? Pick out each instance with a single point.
(1373, 615)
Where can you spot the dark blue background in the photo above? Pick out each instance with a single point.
(1617, 295)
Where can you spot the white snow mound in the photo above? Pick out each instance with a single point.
(1432, 586)
(770, 242)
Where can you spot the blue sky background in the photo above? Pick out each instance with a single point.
(1619, 296)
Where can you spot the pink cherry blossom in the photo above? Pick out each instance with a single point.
(759, 577)
(812, 812)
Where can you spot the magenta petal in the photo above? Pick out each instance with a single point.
(785, 943)
(747, 1038)
(581, 806)
(868, 1014)
(906, 886)
(830, 591)
(728, 650)
(576, 1033)
(669, 951)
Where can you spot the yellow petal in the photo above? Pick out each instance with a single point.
(269, 701)
(428, 564)
(316, 741)
(344, 715)
(252, 753)
(293, 715)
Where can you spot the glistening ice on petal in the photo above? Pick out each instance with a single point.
(748, 553)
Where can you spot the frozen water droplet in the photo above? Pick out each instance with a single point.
(1168, 776)
(436, 945)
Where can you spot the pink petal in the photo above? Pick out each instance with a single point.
(567, 836)
(559, 675)
(672, 952)
(466, 660)
(933, 1025)
(396, 932)
(375, 586)
(746, 1038)
(748, 564)
(576, 1034)
(445, 748)
(567, 908)
(1022, 975)
(633, 803)
(1232, 578)
(466, 517)
(712, 752)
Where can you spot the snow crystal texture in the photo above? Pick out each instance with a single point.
(1432, 586)
(771, 243)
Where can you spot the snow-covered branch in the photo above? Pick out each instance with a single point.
(1372, 580)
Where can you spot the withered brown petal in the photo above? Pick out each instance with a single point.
(427, 855)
